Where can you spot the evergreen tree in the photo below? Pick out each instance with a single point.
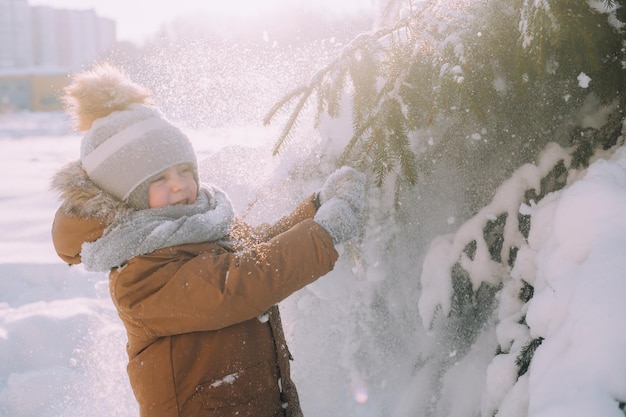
(477, 85)
(512, 71)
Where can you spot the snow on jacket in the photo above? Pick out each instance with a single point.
(204, 330)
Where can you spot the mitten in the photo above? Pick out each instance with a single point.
(347, 184)
(338, 219)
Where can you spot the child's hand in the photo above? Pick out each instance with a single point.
(338, 218)
(347, 184)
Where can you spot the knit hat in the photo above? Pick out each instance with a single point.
(127, 142)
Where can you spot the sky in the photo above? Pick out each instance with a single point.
(138, 19)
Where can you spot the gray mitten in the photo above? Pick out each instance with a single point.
(338, 218)
(347, 184)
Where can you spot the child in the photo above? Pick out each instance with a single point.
(195, 288)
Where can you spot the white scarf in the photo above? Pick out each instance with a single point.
(208, 219)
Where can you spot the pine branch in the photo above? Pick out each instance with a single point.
(526, 355)
(380, 163)
(399, 141)
(359, 132)
(317, 83)
(363, 72)
(526, 292)
(284, 101)
(287, 131)
(408, 161)
(335, 90)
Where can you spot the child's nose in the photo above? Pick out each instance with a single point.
(176, 182)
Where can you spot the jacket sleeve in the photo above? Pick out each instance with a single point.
(216, 289)
(265, 231)
(69, 233)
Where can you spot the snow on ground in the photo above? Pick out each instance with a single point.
(52, 317)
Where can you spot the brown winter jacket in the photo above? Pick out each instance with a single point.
(204, 331)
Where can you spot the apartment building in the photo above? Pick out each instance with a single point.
(40, 45)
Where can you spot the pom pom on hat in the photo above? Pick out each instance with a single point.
(127, 141)
(98, 92)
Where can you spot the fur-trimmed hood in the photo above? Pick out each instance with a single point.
(85, 212)
(81, 197)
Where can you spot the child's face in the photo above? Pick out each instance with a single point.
(175, 185)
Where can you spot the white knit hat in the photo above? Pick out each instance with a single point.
(127, 142)
(127, 148)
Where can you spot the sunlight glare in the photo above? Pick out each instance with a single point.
(252, 8)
